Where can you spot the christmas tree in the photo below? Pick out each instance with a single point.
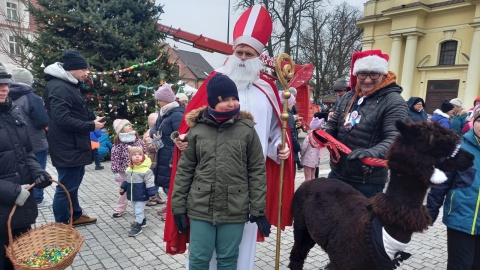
(120, 40)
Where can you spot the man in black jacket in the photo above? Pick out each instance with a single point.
(70, 123)
(19, 170)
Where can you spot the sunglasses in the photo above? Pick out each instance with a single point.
(363, 75)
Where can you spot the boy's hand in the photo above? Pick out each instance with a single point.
(122, 191)
(181, 222)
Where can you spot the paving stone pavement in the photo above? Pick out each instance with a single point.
(107, 245)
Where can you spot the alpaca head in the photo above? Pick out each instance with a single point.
(420, 148)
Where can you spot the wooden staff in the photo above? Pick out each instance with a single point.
(287, 71)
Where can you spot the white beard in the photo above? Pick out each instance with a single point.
(243, 72)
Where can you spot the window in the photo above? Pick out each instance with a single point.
(448, 52)
(11, 11)
(14, 49)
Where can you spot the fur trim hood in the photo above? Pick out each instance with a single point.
(439, 112)
(193, 116)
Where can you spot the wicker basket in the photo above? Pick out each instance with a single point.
(41, 237)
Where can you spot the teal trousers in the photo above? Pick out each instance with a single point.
(206, 237)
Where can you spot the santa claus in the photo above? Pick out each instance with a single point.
(257, 95)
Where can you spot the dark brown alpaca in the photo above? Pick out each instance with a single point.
(339, 218)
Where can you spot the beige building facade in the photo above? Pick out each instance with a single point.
(434, 46)
(15, 22)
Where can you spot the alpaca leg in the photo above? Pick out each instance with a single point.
(302, 245)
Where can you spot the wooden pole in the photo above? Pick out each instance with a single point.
(287, 72)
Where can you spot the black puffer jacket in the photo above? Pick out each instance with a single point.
(166, 125)
(19, 167)
(70, 122)
(375, 131)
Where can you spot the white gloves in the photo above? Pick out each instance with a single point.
(23, 196)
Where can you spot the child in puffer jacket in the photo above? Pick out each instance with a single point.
(139, 186)
(124, 136)
(309, 155)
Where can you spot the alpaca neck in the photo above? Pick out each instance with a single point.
(401, 208)
(406, 190)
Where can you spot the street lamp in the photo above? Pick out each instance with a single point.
(228, 23)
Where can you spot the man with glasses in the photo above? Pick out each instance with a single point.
(364, 121)
(416, 109)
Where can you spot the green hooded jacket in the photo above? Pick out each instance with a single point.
(221, 175)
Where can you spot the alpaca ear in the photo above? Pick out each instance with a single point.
(407, 130)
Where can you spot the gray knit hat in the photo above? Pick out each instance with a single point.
(21, 75)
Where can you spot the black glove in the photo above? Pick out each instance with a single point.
(43, 180)
(358, 153)
(263, 225)
(181, 222)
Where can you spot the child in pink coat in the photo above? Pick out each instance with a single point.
(309, 155)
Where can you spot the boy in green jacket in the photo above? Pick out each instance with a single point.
(220, 181)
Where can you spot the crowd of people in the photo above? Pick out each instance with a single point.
(217, 156)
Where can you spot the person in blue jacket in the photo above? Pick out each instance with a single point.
(461, 209)
(169, 118)
(31, 107)
(105, 146)
(443, 115)
(94, 141)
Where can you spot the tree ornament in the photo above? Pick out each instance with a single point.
(138, 74)
(105, 85)
(94, 76)
(110, 105)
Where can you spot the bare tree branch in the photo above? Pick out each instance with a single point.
(15, 26)
(328, 42)
(285, 16)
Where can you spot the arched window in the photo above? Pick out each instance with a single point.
(448, 52)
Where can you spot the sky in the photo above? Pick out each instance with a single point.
(209, 18)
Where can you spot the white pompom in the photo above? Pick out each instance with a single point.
(438, 177)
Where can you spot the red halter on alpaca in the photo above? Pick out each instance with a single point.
(322, 138)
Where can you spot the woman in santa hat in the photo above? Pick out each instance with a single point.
(364, 121)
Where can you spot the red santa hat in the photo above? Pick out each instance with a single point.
(253, 28)
(369, 61)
